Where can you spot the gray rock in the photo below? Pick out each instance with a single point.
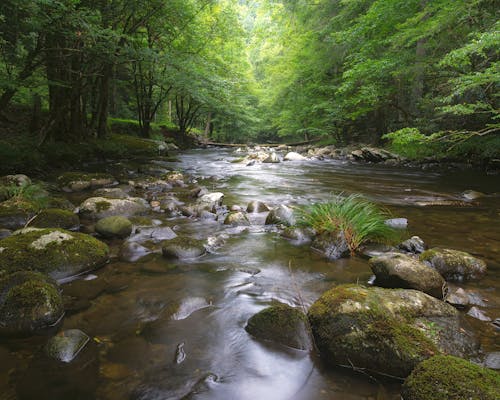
(154, 234)
(257, 207)
(132, 251)
(397, 223)
(332, 246)
(236, 219)
(111, 193)
(66, 345)
(413, 245)
(281, 215)
(272, 158)
(457, 297)
(394, 270)
(100, 207)
(476, 313)
(454, 265)
(293, 156)
(114, 227)
(492, 360)
(282, 324)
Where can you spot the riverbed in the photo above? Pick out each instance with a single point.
(175, 330)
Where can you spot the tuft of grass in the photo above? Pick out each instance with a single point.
(28, 192)
(359, 220)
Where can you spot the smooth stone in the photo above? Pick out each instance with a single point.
(397, 223)
(293, 156)
(476, 313)
(257, 207)
(457, 297)
(132, 251)
(492, 360)
(413, 245)
(100, 207)
(183, 248)
(115, 226)
(454, 265)
(66, 345)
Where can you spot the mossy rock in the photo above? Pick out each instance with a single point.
(236, 218)
(282, 324)
(15, 213)
(451, 378)
(78, 181)
(56, 218)
(116, 226)
(61, 203)
(100, 207)
(394, 270)
(454, 265)
(15, 180)
(57, 253)
(29, 302)
(183, 248)
(386, 331)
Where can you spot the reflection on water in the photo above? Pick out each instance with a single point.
(149, 311)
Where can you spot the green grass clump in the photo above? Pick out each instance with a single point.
(358, 219)
(27, 192)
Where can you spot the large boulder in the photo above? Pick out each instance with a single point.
(451, 378)
(394, 270)
(454, 265)
(293, 156)
(15, 213)
(281, 215)
(387, 331)
(116, 226)
(56, 218)
(29, 302)
(282, 324)
(183, 248)
(100, 207)
(78, 181)
(55, 252)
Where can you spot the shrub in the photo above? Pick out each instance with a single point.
(357, 218)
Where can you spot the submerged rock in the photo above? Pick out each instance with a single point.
(100, 207)
(132, 251)
(78, 181)
(56, 252)
(451, 378)
(183, 248)
(116, 226)
(281, 215)
(387, 331)
(66, 345)
(29, 302)
(454, 265)
(300, 235)
(395, 270)
(282, 324)
(56, 218)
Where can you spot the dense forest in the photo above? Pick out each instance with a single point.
(417, 71)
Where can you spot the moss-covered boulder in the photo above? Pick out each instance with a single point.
(451, 378)
(281, 215)
(454, 265)
(236, 218)
(282, 324)
(111, 227)
(55, 252)
(183, 247)
(15, 213)
(29, 302)
(394, 270)
(56, 218)
(386, 331)
(257, 207)
(78, 181)
(100, 207)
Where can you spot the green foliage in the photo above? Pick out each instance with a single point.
(27, 192)
(358, 219)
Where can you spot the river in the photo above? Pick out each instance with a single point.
(180, 334)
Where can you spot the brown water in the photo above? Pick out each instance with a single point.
(176, 330)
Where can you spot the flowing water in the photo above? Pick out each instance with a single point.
(175, 330)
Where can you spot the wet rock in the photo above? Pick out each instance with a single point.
(496, 323)
(15, 180)
(300, 235)
(56, 218)
(66, 345)
(111, 193)
(78, 181)
(170, 207)
(282, 324)
(281, 215)
(154, 234)
(332, 246)
(116, 226)
(451, 378)
(413, 245)
(293, 156)
(492, 360)
(272, 158)
(397, 223)
(100, 207)
(257, 207)
(56, 252)
(132, 251)
(15, 213)
(29, 302)
(180, 354)
(387, 331)
(454, 265)
(476, 313)
(395, 270)
(236, 219)
(211, 200)
(457, 297)
(183, 248)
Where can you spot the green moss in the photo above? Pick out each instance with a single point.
(56, 218)
(57, 259)
(331, 299)
(71, 177)
(451, 378)
(28, 295)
